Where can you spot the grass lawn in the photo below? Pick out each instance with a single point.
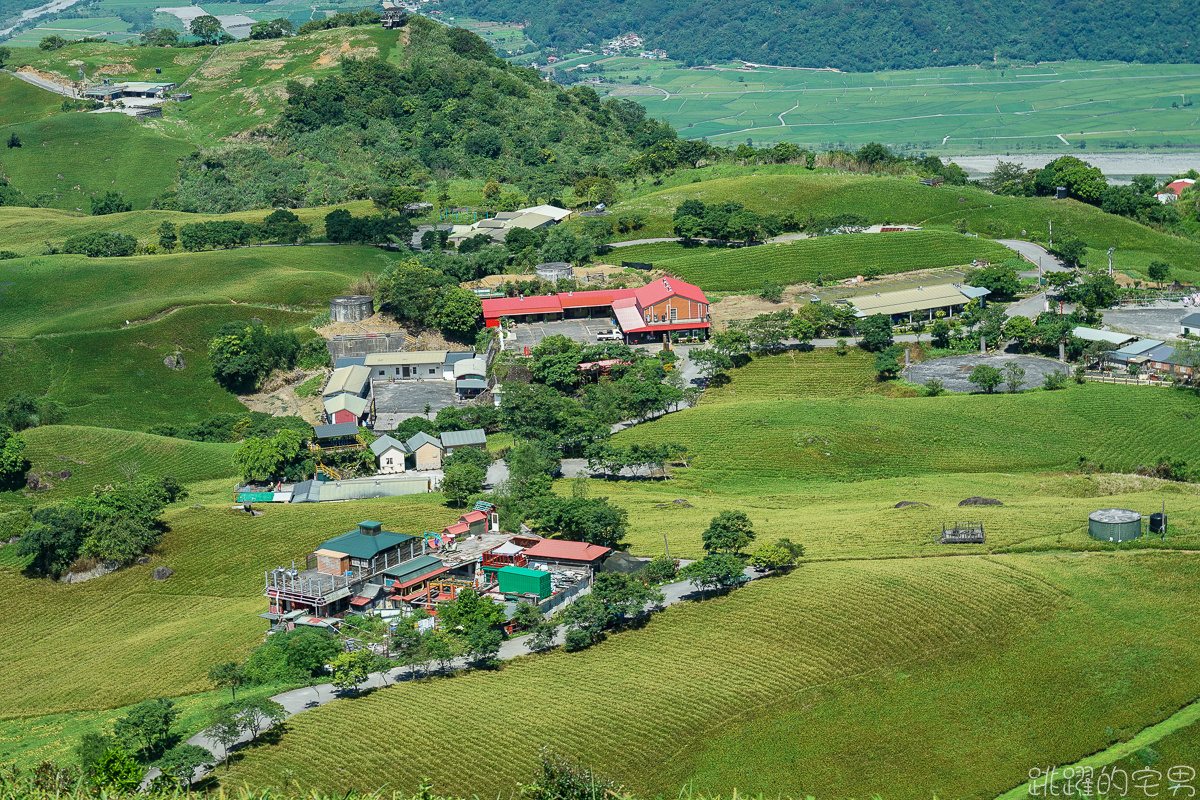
(148, 638)
(22, 102)
(68, 293)
(787, 685)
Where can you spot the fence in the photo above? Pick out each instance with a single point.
(555, 600)
(1129, 380)
(364, 344)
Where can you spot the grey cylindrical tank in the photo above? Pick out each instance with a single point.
(1115, 525)
(351, 308)
(1158, 521)
(554, 270)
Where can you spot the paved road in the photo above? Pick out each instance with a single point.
(1035, 254)
(300, 700)
(42, 83)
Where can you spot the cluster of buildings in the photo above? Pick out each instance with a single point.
(349, 394)
(646, 314)
(629, 41)
(497, 227)
(370, 569)
(1149, 356)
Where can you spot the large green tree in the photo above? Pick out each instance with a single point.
(728, 532)
(206, 28)
(147, 726)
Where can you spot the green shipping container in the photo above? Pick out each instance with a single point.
(518, 580)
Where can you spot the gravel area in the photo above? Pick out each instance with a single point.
(952, 371)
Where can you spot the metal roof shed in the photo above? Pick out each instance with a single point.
(1097, 335)
(336, 430)
(475, 436)
(519, 580)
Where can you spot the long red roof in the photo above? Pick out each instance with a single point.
(569, 551)
(646, 296)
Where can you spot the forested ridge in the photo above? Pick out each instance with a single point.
(867, 35)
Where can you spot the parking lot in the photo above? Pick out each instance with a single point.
(952, 371)
(396, 401)
(1157, 321)
(528, 334)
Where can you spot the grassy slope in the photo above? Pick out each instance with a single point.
(96, 456)
(22, 102)
(151, 638)
(59, 294)
(117, 379)
(835, 257)
(756, 691)
(767, 432)
(93, 154)
(26, 230)
(904, 200)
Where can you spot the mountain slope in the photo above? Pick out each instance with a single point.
(868, 34)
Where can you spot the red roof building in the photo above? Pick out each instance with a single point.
(558, 551)
(644, 314)
(1178, 186)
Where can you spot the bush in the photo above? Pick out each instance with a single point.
(110, 203)
(1055, 380)
(660, 570)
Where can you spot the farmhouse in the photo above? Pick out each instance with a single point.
(389, 454)
(415, 364)
(920, 304)
(1190, 325)
(667, 305)
(426, 450)
(1164, 360)
(1134, 353)
(497, 227)
(470, 377)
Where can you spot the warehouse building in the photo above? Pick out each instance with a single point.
(917, 305)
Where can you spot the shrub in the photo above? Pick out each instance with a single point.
(110, 203)
(101, 245)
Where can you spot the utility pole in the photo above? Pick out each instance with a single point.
(1110, 252)
(1051, 233)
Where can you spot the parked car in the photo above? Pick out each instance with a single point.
(610, 335)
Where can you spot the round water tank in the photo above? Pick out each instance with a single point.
(351, 308)
(1115, 525)
(555, 270)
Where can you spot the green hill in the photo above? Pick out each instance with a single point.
(117, 379)
(834, 257)
(23, 102)
(98, 456)
(66, 293)
(862, 36)
(904, 200)
(205, 613)
(68, 158)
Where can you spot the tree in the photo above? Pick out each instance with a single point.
(53, 42)
(160, 37)
(167, 237)
(940, 334)
(14, 140)
(1070, 249)
(225, 727)
(53, 539)
(1158, 271)
(776, 556)
(875, 332)
(482, 644)
(771, 291)
(5, 55)
(728, 532)
(228, 674)
(12, 456)
(351, 669)
(460, 481)
(110, 203)
(457, 313)
(206, 28)
(442, 648)
(117, 770)
(582, 519)
(182, 761)
(1055, 380)
(887, 362)
(542, 637)
(275, 29)
(147, 726)
(714, 571)
(1020, 329)
(1014, 376)
(260, 460)
(710, 362)
(985, 376)
(1000, 279)
(1098, 291)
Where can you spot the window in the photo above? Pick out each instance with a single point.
(380, 372)
(388, 462)
(674, 315)
(432, 371)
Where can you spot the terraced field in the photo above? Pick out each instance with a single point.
(836, 257)
(756, 690)
(117, 379)
(904, 200)
(159, 638)
(97, 456)
(61, 294)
